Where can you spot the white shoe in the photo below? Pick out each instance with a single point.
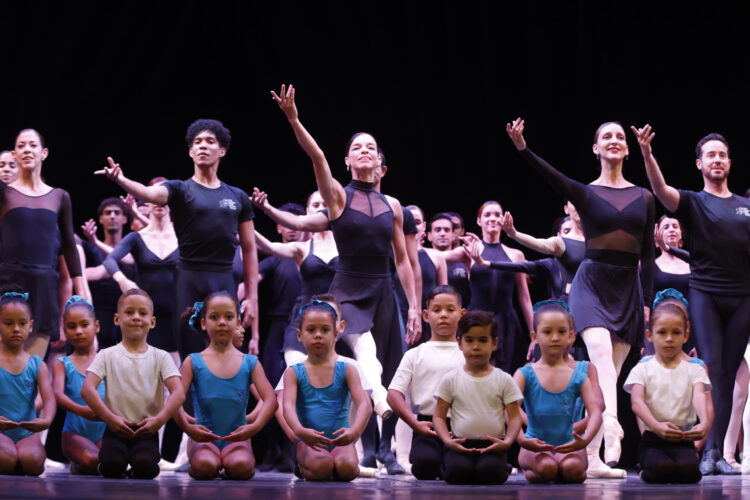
(599, 470)
(745, 467)
(613, 433)
(53, 465)
(383, 410)
(165, 465)
(368, 472)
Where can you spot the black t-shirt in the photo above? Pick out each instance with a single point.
(283, 281)
(717, 235)
(207, 221)
(105, 292)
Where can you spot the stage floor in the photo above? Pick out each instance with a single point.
(285, 486)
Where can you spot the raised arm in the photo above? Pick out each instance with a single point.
(292, 250)
(569, 189)
(668, 196)
(548, 246)
(113, 269)
(330, 189)
(312, 223)
(156, 194)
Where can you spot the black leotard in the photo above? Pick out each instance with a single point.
(493, 291)
(362, 284)
(316, 278)
(458, 278)
(618, 224)
(156, 276)
(33, 231)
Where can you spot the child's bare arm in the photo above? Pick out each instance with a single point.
(362, 402)
(311, 437)
(268, 407)
(49, 407)
(63, 401)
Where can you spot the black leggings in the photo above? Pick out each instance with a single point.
(116, 453)
(475, 468)
(668, 461)
(426, 455)
(192, 286)
(722, 326)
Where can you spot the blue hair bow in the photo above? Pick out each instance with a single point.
(319, 303)
(76, 299)
(16, 295)
(669, 293)
(194, 321)
(560, 303)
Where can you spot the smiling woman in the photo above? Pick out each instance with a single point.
(37, 225)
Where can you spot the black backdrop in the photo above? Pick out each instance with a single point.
(435, 83)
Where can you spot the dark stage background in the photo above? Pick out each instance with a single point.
(435, 83)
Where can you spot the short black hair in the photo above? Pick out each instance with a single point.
(551, 306)
(293, 208)
(135, 291)
(443, 289)
(41, 137)
(107, 202)
(710, 137)
(457, 216)
(219, 130)
(443, 216)
(477, 318)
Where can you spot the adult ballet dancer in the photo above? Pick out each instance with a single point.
(36, 224)
(207, 215)
(607, 299)
(717, 226)
(365, 226)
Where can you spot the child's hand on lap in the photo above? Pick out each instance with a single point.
(578, 443)
(536, 444)
(121, 427)
(314, 439)
(697, 433)
(201, 434)
(455, 444)
(345, 436)
(668, 431)
(6, 424)
(497, 445)
(147, 427)
(36, 425)
(425, 428)
(242, 433)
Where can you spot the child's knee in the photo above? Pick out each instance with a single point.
(659, 472)
(8, 459)
(687, 472)
(202, 467)
(573, 470)
(545, 468)
(458, 473)
(88, 463)
(318, 469)
(239, 468)
(347, 469)
(144, 466)
(31, 460)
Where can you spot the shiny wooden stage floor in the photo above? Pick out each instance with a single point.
(285, 486)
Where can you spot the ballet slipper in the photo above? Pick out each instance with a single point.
(613, 433)
(599, 470)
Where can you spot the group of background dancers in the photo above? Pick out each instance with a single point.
(359, 316)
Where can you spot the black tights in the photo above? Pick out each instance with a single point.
(116, 453)
(722, 327)
(668, 461)
(426, 455)
(475, 468)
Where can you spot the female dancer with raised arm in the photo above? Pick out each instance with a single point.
(317, 260)
(364, 226)
(606, 297)
(36, 224)
(717, 224)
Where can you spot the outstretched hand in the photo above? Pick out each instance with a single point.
(89, 230)
(659, 239)
(644, 136)
(285, 100)
(506, 224)
(515, 132)
(260, 199)
(113, 172)
(475, 248)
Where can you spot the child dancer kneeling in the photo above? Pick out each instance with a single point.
(220, 377)
(550, 450)
(478, 396)
(21, 376)
(133, 408)
(82, 432)
(421, 369)
(666, 393)
(316, 401)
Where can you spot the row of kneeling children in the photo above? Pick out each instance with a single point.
(468, 413)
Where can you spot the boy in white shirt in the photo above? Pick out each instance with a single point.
(422, 368)
(479, 396)
(134, 409)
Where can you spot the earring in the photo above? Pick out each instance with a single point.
(347, 167)
(626, 157)
(597, 156)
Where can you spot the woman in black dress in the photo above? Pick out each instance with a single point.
(607, 299)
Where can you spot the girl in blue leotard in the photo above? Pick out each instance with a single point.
(550, 450)
(316, 400)
(21, 376)
(219, 378)
(82, 431)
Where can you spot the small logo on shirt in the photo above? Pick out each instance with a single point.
(228, 203)
(743, 211)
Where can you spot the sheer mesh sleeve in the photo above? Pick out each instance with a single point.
(65, 222)
(125, 247)
(569, 189)
(648, 250)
